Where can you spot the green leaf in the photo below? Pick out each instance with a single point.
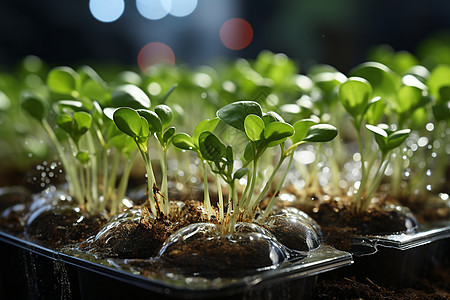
(62, 80)
(229, 156)
(439, 77)
(380, 135)
(408, 99)
(234, 114)
(204, 125)
(168, 134)
(444, 94)
(165, 113)
(254, 126)
(375, 111)
(270, 117)
(145, 130)
(154, 122)
(34, 105)
(65, 122)
(130, 96)
(82, 121)
(128, 121)
(124, 143)
(249, 154)
(355, 94)
(5, 102)
(240, 173)
(211, 147)
(83, 157)
(183, 141)
(75, 105)
(301, 130)
(277, 132)
(441, 110)
(396, 138)
(383, 80)
(93, 90)
(321, 133)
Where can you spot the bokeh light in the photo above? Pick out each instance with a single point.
(183, 8)
(106, 10)
(154, 53)
(236, 33)
(154, 9)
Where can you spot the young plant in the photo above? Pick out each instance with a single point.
(355, 95)
(262, 131)
(82, 136)
(185, 142)
(140, 124)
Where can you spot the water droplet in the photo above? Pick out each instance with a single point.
(433, 154)
(357, 156)
(443, 196)
(203, 95)
(428, 172)
(429, 187)
(414, 147)
(30, 154)
(423, 141)
(429, 126)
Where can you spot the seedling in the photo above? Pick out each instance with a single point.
(262, 131)
(83, 137)
(139, 125)
(355, 95)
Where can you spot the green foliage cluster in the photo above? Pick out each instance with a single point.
(98, 126)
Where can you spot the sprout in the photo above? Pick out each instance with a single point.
(140, 124)
(355, 95)
(262, 131)
(83, 136)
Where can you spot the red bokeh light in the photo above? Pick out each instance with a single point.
(236, 33)
(153, 53)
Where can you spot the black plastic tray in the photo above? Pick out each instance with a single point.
(29, 270)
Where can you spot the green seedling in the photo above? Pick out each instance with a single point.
(262, 131)
(140, 124)
(185, 142)
(83, 136)
(356, 96)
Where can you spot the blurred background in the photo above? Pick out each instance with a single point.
(339, 33)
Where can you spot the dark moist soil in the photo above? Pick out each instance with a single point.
(340, 222)
(334, 285)
(134, 240)
(202, 250)
(142, 239)
(292, 233)
(59, 226)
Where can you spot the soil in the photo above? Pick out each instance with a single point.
(203, 251)
(293, 233)
(335, 285)
(141, 235)
(57, 226)
(340, 222)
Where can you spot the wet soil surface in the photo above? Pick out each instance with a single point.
(204, 250)
(339, 221)
(58, 226)
(341, 286)
(137, 234)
